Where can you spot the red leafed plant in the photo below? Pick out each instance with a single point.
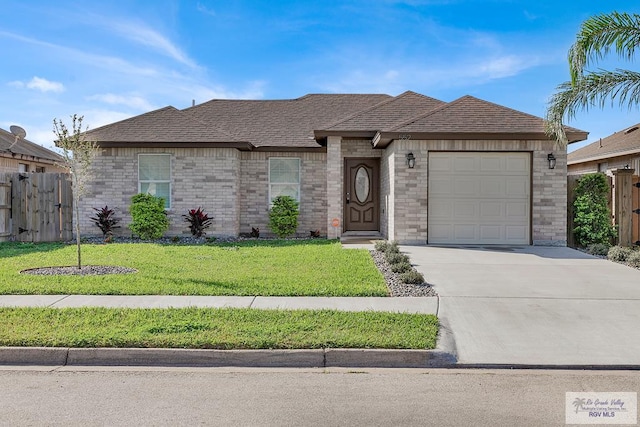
(198, 221)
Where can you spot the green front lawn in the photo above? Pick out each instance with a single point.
(278, 267)
(215, 328)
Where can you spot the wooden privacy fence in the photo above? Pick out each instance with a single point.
(35, 207)
(624, 204)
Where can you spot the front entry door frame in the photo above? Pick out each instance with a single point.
(361, 211)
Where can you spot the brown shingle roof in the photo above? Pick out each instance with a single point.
(475, 116)
(164, 125)
(26, 148)
(305, 121)
(380, 116)
(618, 144)
(281, 123)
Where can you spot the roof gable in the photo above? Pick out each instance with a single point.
(620, 143)
(388, 112)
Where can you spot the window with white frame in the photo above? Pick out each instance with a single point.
(284, 177)
(154, 176)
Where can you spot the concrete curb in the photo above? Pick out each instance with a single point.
(311, 358)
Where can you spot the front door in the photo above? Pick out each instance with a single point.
(361, 195)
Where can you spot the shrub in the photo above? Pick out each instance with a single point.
(392, 247)
(149, 220)
(592, 215)
(600, 249)
(412, 277)
(401, 267)
(381, 245)
(283, 216)
(634, 259)
(106, 220)
(255, 232)
(619, 253)
(396, 258)
(198, 221)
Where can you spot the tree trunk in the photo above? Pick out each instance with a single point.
(78, 233)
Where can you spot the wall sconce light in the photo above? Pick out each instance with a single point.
(552, 160)
(411, 160)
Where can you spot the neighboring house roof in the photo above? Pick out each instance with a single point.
(619, 144)
(305, 122)
(25, 148)
(471, 118)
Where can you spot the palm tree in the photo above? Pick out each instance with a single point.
(598, 35)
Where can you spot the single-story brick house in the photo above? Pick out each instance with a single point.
(618, 151)
(408, 168)
(22, 155)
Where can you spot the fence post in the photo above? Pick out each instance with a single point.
(623, 197)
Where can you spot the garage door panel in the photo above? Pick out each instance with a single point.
(516, 232)
(491, 233)
(484, 198)
(491, 164)
(441, 186)
(517, 164)
(463, 163)
(517, 186)
(492, 210)
(465, 187)
(491, 187)
(440, 163)
(517, 210)
(465, 232)
(464, 210)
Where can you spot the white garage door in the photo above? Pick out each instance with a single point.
(479, 198)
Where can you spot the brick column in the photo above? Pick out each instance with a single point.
(334, 186)
(623, 185)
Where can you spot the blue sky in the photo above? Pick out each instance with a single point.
(109, 60)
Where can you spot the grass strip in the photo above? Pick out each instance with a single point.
(266, 268)
(202, 328)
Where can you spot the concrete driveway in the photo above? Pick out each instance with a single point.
(533, 305)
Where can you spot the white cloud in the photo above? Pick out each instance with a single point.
(133, 101)
(504, 66)
(204, 9)
(45, 85)
(38, 83)
(142, 34)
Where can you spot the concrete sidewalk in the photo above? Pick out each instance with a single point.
(420, 305)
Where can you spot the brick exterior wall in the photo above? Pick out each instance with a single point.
(334, 186)
(233, 187)
(254, 197)
(409, 193)
(202, 177)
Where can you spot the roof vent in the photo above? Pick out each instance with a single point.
(631, 129)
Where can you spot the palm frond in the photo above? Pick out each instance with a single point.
(598, 35)
(594, 89)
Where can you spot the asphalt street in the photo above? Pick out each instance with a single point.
(292, 397)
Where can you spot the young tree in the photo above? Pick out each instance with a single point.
(78, 154)
(596, 37)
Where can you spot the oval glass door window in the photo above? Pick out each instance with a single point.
(362, 184)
